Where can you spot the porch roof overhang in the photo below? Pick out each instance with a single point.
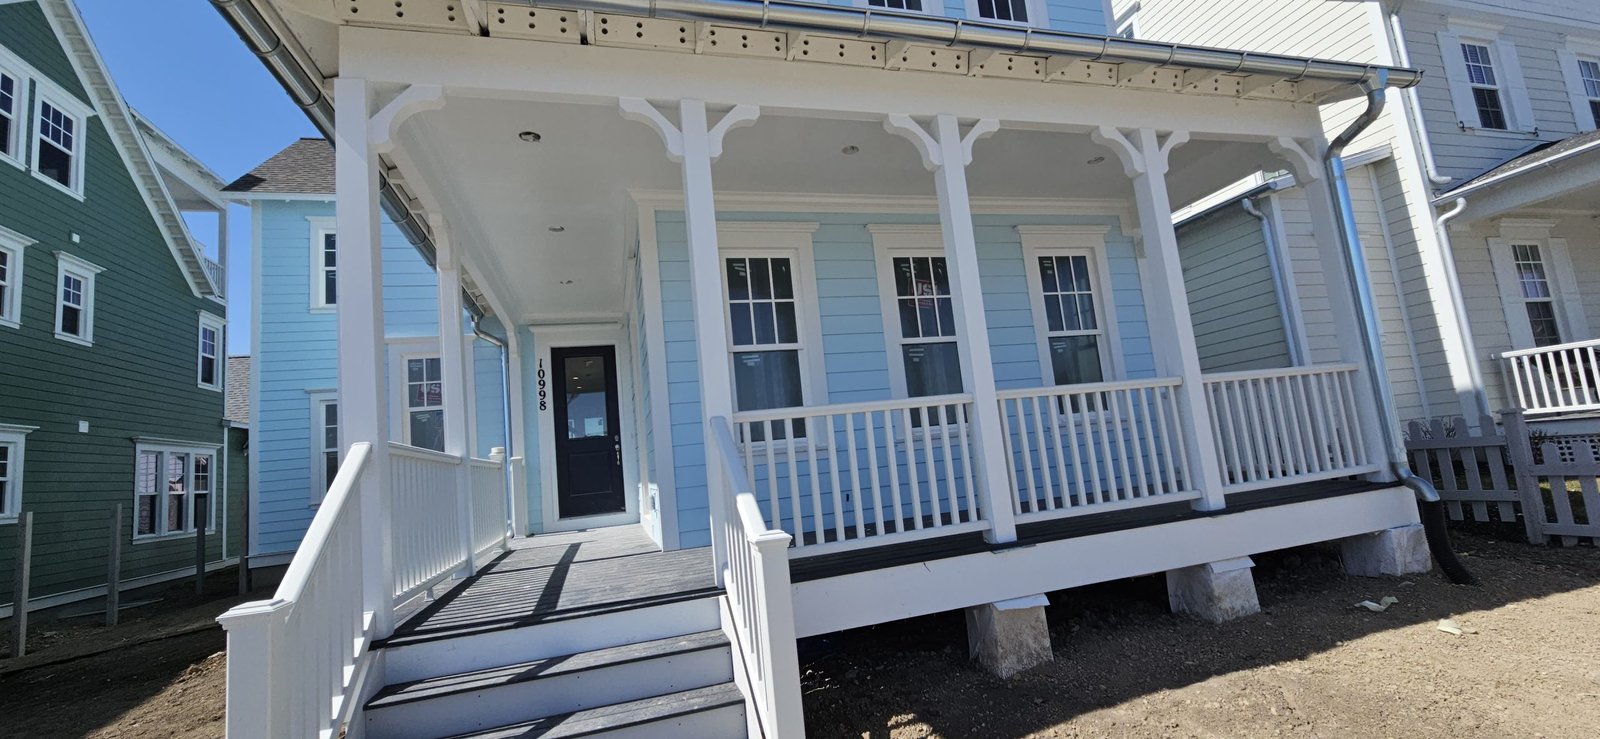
(1560, 175)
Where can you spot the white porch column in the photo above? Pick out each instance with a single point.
(363, 407)
(947, 153)
(453, 377)
(696, 144)
(1144, 158)
(1303, 160)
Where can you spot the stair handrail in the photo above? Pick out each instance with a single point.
(288, 672)
(760, 599)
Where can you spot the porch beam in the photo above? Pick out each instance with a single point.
(946, 152)
(1144, 155)
(453, 378)
(363, 407)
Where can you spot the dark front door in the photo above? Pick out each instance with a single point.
(588, 432)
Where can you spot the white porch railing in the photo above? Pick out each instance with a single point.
(859, 475)
(1280, 426)
(759, 601)
(295, 662)
(426, 516)
(489, 516)
(1561, 378)
(219, 276)
(1074, 449)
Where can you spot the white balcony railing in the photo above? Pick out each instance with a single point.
(218, 275)
(863, 474)
(1086, 448)
(1281, 426)
(1562, 378)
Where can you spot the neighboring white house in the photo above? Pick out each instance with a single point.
(1486, 180)
(843, 314)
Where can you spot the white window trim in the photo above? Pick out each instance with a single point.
(320, 226)
(403, 403)
(19, 115)
(1089, 241)
(16, 436)
(1508, 77)
(319, 486)
(80, 131)
(86, 271)
(1569, 56)
(214, 322)
(929, 7)
(15, 245)
(908, 240)
(169, 447)
(1569, 312)
(779, 239)
(1038, 15)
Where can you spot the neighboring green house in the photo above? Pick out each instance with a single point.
(112, 320)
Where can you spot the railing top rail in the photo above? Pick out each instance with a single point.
(1513, 354)
(333, 504)
(481, 462)
(1315, 369)
(406, 450)
(1089, 387)
(812, 411)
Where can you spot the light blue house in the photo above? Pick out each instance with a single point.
(293, 400)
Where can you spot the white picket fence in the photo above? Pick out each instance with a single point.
(1561, 378)
(296, 663)
(759, 600)
(1557, 492)
(1282, 426)
(859, 475)
(1092, 447)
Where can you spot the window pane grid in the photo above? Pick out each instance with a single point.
(5, 480)
(425, 402)
(1004, 10)
(8, 112)
(1589, 72)
(763, 314)
(330, 269)
(915, 5)
(1485, 87)
(330, 443)
(72, 305)
(922, 293)
(5, 284)
(1072, 327)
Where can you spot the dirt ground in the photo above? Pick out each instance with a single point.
(1312, 664)
(158, 673)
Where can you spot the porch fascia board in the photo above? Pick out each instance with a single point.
(729, 201)
(530, 70)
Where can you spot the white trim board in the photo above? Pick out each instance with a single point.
(731, 201)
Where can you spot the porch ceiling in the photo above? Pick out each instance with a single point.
(503, 196)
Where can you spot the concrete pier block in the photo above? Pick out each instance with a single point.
(1010, 636)
(1402, 550)
(1215, 591)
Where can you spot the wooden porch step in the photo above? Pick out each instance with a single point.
(703, 713)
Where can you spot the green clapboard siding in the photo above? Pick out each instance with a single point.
(1233, 300)
(139, 378)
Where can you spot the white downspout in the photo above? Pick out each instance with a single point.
(1458, 306)
(1413, 107)
(1291, 336)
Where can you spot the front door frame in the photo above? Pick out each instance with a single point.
(562, 336)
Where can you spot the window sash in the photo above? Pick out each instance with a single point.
(1015, 11)
(328, 429)
(210, 338)
(10, 93)
(73, 305)
(8, 481)
(328, 269)
(911, 5)
(173, 489)
(59, 139)
(8, 268)
(927, 342)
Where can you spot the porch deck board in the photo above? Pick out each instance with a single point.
(566, 575)
(925, 550)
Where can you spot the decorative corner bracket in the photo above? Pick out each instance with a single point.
(383, 127)
(1300, 154)
(1146, 153)
(931, 149)
(904, 126)
(643, 111)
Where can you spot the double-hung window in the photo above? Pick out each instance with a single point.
(926, 342)
(325, 270)
(12, 245)
(1010, 11)
(1586, 91)
(58, 147)
(424, 424)
(209, 366)
(75, 299)
(13, 445)
(11, 98)
(1537, 298)
(764, 328)
(1073, 327)
(911, 5)
(1484, 85)
(324, 443)
(172, 490)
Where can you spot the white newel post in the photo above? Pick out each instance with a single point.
(453, 376)
(696, 145)
(1304, 162)
(363, 410)
(1144, 158)
(947, 153)
(257, 670)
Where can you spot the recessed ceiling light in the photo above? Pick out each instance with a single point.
(851, 149)
(557, 229)
(1095, 160)
(531, 137)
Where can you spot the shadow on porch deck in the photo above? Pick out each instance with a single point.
(553, 577)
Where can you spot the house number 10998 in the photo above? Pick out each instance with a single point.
(544, 397)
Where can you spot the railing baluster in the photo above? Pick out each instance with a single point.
(946, 424)
(1125, 484)
(1052, 403)
(796, 507)
(819, 522)
(872, 467)
(892, 452)
(966, 462)
(1043, 475)
(855, 474)
(911, 465)
(1073, 417)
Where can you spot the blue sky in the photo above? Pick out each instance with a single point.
(179, 64)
